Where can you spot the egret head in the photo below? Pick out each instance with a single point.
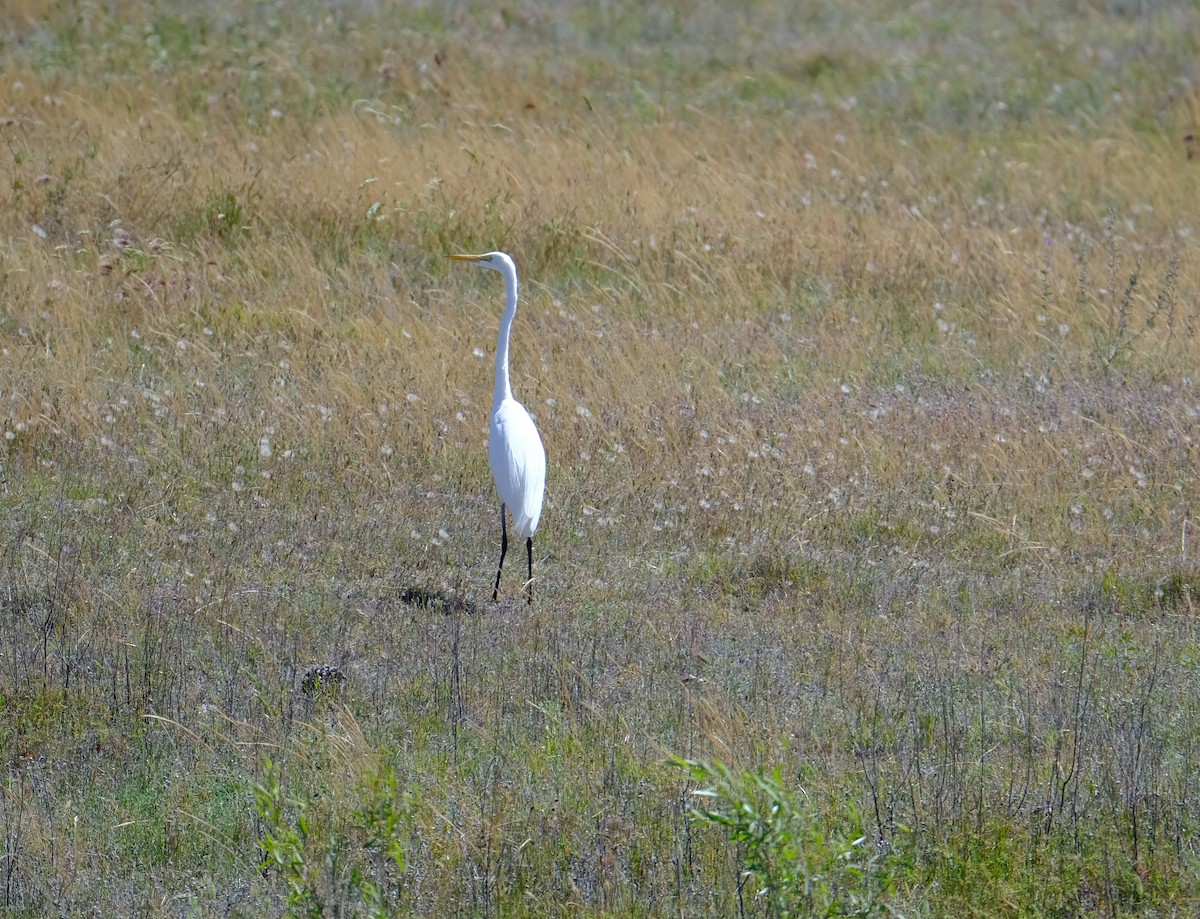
(497, 261)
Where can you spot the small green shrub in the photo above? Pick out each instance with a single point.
(799, 865)
(348, 868)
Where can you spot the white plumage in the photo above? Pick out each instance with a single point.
(518, 464)
(515, 450)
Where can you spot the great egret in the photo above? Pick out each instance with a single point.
(515, 449)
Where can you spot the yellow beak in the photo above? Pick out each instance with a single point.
(467, 258)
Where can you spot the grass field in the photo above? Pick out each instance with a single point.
(862, 338)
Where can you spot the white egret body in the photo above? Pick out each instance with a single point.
(515, 449)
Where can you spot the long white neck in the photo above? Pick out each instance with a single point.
(503, 389)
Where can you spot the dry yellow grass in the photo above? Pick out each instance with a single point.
(869, 410)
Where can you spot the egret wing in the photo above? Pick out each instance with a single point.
(518, 462)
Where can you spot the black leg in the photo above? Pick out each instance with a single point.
(503, 552)
(529, 551)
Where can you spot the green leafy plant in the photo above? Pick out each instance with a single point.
(283, 842)
(353, 865)
(798, 866)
